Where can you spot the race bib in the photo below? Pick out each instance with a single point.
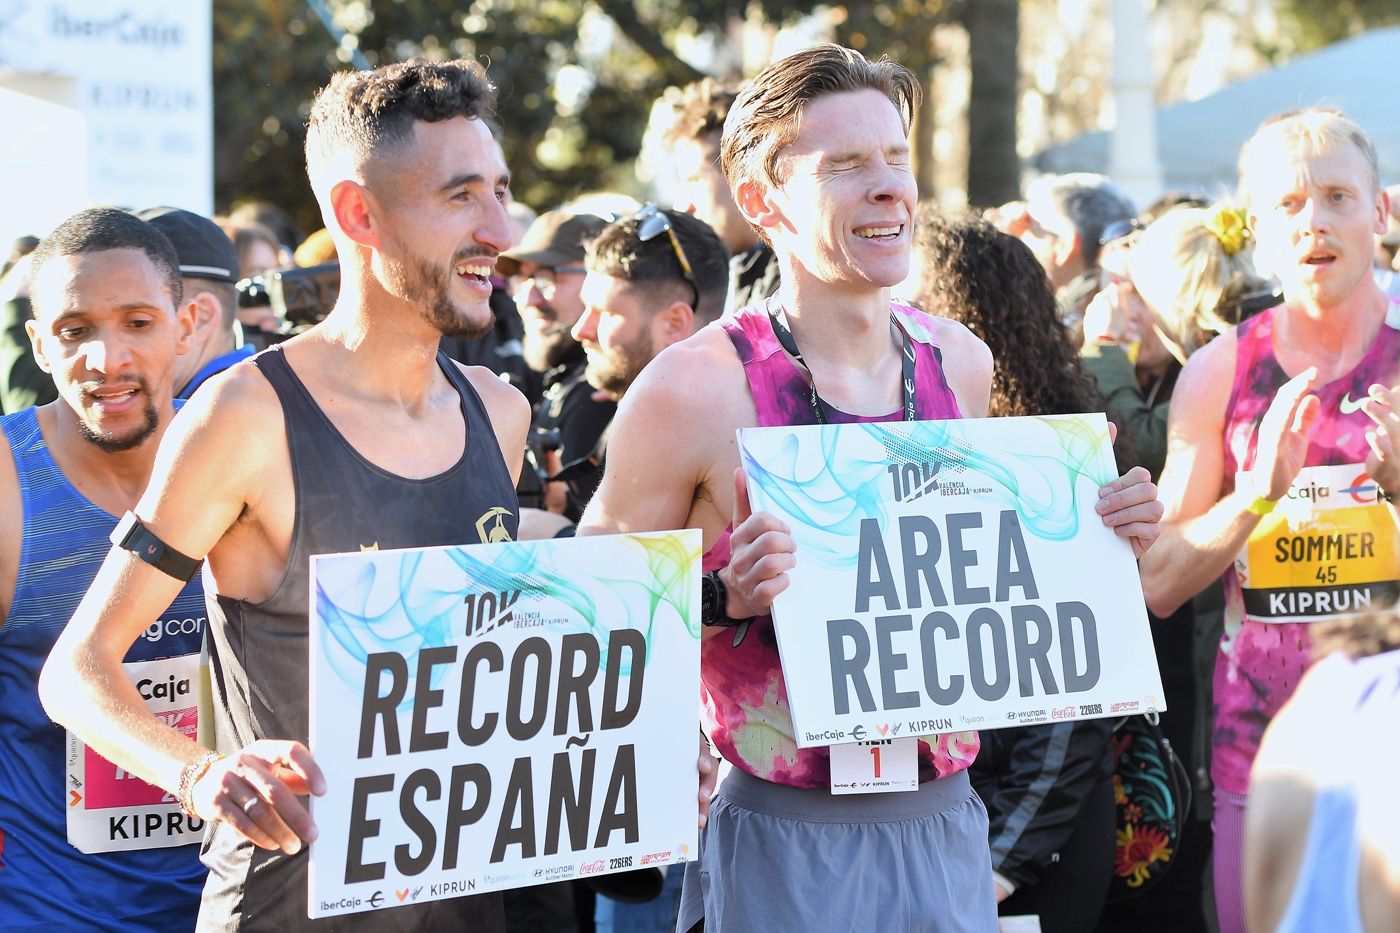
(111, 810)
(1328, 549)
(878, 767)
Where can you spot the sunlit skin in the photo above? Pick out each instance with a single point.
(618, 332)
(1315, 218)
(441, 223)
(418, 227)
(846, 176)
(107, 330)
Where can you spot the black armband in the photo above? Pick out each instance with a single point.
(131, 535)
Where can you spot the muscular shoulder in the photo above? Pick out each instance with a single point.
(502, 400)
(1203, 388)
(224, 438)
(698, 381)
(672, 442)
(236, 401)
(1284, 780)
(507, 410)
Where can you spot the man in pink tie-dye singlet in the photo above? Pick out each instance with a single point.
(816, 152)
(1282, 465)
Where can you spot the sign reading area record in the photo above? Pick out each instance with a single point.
(502, 715)
(951, 575)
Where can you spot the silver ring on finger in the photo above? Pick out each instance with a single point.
(250, 803)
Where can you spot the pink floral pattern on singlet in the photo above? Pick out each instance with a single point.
(744, 697)
(1260, 663)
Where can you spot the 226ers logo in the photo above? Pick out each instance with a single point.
(491, 526)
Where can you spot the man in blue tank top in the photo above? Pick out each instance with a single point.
(83, 844)
(355, 435)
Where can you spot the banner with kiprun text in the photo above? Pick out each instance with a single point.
(1330, 548)
(503, 715)
(951, 575)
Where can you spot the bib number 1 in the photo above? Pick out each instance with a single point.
(879, 767)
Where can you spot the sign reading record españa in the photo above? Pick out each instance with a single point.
(502, 715)
(951, 575)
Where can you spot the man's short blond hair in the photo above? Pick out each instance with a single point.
(1314, 130)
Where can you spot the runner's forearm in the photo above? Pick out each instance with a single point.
(1191, 554)
(93, 697)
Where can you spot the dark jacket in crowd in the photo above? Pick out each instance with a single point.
(1034, 780)
(22, 382)
(501, 348)
(753, 276)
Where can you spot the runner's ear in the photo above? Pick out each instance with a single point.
(351, 208)
(755, 204)
(672, 324)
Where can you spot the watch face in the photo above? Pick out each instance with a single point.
(709, 600)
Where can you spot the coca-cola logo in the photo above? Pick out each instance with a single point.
(591, 868)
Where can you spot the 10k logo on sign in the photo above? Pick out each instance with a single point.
(912, 480)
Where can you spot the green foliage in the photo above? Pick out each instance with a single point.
(561, 140)
(270, 56)
(1311, 24)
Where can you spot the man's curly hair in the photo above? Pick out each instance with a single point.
(990, 282)
(362, 113)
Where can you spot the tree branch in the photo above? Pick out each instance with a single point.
(646, 38)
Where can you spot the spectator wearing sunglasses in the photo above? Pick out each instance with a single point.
(547, 267)
(652, 280)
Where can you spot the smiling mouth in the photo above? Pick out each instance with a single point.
(478, 272)
(891, 232)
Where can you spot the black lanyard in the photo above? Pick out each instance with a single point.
(784, 335)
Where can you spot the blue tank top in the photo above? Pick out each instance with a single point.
(45, 881)
(1361, 699)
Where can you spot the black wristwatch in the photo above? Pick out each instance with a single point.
(712, 603)
(135, 537)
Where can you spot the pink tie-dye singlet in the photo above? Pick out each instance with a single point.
(1327, 550)
(745, 699)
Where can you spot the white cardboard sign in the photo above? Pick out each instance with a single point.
(951, 575)
(502, 715)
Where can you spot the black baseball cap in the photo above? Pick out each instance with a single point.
(205, 252)
(556, 238)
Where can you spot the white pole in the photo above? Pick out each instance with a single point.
(1132, 160)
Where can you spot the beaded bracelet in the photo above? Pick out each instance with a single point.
(189, 776)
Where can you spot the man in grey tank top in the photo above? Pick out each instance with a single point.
(356, 434)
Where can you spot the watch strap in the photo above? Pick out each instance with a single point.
(131, 535)
(717, 617)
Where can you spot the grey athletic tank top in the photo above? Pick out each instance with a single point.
(258, 651)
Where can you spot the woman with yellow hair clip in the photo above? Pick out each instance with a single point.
(1184, 278)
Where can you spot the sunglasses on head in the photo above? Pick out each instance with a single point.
(652, 221)
(1119, 229)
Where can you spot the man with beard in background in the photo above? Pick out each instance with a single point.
(548, 269)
